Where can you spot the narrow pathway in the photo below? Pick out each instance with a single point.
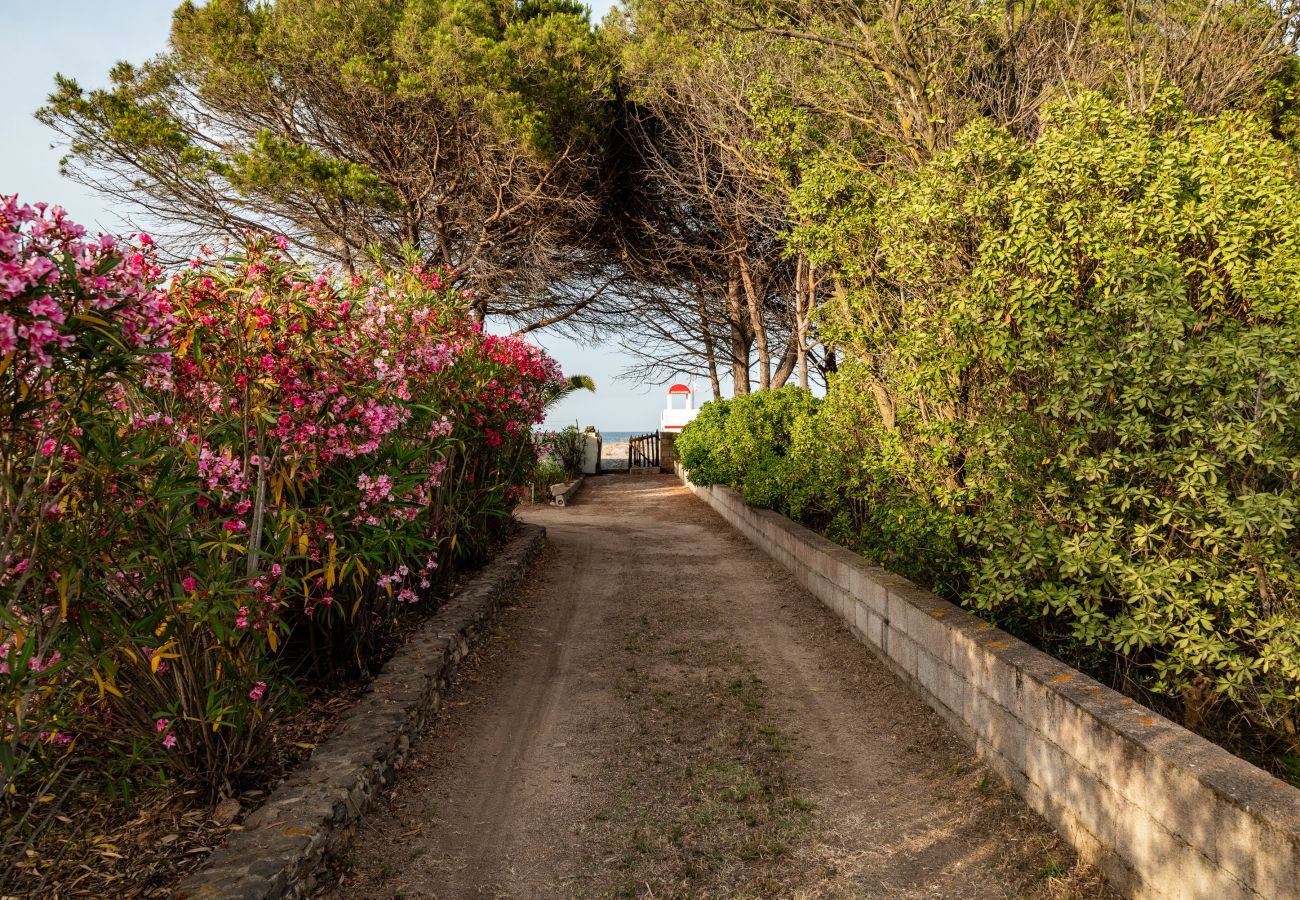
(666, 714)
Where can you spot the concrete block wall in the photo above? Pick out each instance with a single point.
(1163, 813)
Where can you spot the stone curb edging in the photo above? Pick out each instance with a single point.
(570, 491)
(313, 815)
(1162, 812)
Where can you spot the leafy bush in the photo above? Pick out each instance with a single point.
(1070, 400)
(252, 473)
(566, 448)
(702, 446)
(1127, 328)
(852, 479)
(547, 473)
(1140, 466)
(81, 321)
(743, 442)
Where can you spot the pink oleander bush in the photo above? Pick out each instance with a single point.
(220, 487)
(82, 322)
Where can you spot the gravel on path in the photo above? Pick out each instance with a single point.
(664, 713)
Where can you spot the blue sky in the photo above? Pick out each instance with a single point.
(83, 38)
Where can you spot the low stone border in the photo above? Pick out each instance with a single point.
(313, 815)
(1160, 811)
(562, 494)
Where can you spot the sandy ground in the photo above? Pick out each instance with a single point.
(613, 455)
(664, 713)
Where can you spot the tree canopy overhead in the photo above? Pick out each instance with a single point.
(469, 131)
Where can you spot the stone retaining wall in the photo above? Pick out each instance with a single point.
(313, 815)
(1161, 812)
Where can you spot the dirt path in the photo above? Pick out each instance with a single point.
(665, 714)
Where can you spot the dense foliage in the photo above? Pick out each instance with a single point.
(222, 486)
(1072, 400)
(744, 442)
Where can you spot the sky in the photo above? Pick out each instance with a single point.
(83, 38)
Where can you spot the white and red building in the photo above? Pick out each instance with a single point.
(679, 410)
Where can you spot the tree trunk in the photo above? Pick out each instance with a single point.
(831, 365)
(710, 357)
(755, 304)
(785, 366)
(806, 303)
(739, 339)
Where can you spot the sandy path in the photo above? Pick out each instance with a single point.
(664, 713)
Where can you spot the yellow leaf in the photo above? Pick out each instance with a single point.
(302, 541)
(273, 639)
(62, 585)
(105, 684)
(158, 656)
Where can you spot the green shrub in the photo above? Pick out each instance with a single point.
(701, 447)
(1086, 348)
(547, 473)
(743, 442)
(1070, 399)
(851, 479)
(565, 448)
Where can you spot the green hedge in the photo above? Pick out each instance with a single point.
(1072, 401)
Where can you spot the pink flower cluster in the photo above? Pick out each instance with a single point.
(51, 275)
(222, 472)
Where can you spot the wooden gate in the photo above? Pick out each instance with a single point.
(643, 451)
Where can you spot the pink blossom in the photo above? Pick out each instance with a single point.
(189, 584)
(49, 308)
(258, 690)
